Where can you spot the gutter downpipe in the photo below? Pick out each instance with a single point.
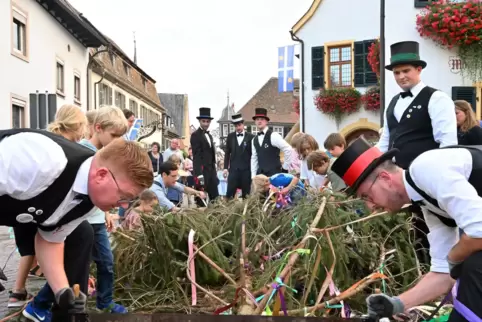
(302, 81)
(89, 64)
(96, 84)
(382, 62)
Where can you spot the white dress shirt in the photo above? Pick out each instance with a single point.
(276, 141)
(441, 109)
(240, 138)
(443, 175)
(29, 164)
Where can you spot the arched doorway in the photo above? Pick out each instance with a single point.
(370, 135)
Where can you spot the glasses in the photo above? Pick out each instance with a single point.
(364, 195)
(121, 201)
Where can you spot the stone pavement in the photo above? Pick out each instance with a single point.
(7, 248)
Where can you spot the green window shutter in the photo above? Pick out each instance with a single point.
(363, 72)
(422, 3)
(466, 93)
(317, 67)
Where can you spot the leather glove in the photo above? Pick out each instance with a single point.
(455, 269)
(384, 306)
(66, 300)
(284, 171)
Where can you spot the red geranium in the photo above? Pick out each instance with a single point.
(451, 24)
(338, 102)
(296, 106)
(373, 57)
(371, 99)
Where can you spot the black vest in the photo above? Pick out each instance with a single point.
(17, 212)
(240, 158)
(413, 135)
(269, 162)
(475, 180)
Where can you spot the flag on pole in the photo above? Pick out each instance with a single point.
(134, 131)
(286, 56)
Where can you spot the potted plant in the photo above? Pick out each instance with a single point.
(373, 57)
(296, 106)
(456, 25)
(371, 99)
(338, 102)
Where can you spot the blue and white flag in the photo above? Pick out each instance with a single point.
(286, 56)
(134, 131)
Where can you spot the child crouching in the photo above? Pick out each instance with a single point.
(283, 183)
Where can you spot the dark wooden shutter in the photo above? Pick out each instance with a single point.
(317, 67)
(363, 72)
(422, 3)
(466, 93)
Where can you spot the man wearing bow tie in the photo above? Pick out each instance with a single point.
(204, 157)
(418, 119)
(265, 158)
(238, 158)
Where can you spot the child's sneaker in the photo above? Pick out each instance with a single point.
(36, 314)
(113, 308)
(18, 298)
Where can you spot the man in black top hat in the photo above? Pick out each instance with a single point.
(265, 158)
(204, 156)
(447, 184)
(237, 158)
(56, 184)
(418, 119)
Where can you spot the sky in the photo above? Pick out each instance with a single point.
(203, 48)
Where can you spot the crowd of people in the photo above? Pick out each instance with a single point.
(64, 189)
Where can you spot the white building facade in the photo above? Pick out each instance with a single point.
(41, 54)
(348, 27)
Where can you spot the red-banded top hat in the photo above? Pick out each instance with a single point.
(359, 159)
(261, 112)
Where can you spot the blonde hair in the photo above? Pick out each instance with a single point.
(70, 122)
(130, 159)
(316, 159)
(110, 117)
(259, 183)
(306, 142)
(470, 119)
(174, 158)
(91, 121)
(295, 139)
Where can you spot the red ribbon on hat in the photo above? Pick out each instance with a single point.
(360, 165)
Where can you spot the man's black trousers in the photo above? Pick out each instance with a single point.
(210, 185)
(238, 179)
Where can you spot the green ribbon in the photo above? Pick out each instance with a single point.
(301, 251)
(404, 57)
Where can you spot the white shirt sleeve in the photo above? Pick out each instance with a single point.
(254, 159)
(304, 170)
(280, 143)
(446, 180)
(29, 164)
(60, 234)
(441, 109)
(383, 143)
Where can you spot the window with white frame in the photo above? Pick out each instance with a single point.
(225, 130)
(77, 88)
(133, 107)
(279, 129)
(120, 100)
(19, 33)
(60, 77)
(231, 128)
(254, 129)
(105, 95)
(18, 113)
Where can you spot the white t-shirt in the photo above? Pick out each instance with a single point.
(315, 179)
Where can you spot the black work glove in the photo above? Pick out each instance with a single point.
(66, 300)
(384, 306)
(455, 269)
(284, 171)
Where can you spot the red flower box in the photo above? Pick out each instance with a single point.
(371, 99)
(338, 102)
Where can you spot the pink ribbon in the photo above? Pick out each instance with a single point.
(334, 291)
(192, 268)
(281, 199)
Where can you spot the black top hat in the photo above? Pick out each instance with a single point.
(261, 112)
(405, 53)
(359, 160)
(237, 118)
(204, 113)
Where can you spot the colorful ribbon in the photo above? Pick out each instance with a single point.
(192, 268)
(282, 200)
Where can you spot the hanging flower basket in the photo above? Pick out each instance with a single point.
(371, 99)
(338, 102)
(373, 57)
(456, 25)
(296, 106)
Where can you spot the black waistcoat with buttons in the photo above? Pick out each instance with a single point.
(16, 212)
(269, 162)
(413, 135)
(240, 158)
(475, 179)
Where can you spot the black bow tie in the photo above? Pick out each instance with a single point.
(206, 132)
(239, 134)
(260, 133)
(406, 94)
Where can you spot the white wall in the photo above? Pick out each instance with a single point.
(332, 22)
(47, 42)
(437, 74)
(156, 137)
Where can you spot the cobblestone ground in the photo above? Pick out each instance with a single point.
(7, 246)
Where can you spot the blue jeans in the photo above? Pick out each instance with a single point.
(103, 258)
